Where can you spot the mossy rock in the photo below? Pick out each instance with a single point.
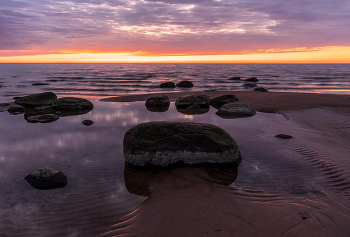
(235, 110)
(45, 98)
(72, 104)
(185, 84)
(219, 101)
(192, 102)
(158, 101)
(166, 144)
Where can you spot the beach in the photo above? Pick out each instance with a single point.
(184, 202)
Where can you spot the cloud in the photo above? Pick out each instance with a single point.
(173, 26)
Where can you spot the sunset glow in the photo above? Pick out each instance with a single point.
(167, 31)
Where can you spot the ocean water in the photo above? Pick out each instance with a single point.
(95, 81)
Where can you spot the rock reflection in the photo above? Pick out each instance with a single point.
(193, 111)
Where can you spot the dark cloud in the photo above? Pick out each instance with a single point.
(178, 26)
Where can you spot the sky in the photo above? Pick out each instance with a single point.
(248, 31)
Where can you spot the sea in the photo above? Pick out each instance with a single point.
(103, 191)
(96, 81)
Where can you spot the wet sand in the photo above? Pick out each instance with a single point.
(191, 202)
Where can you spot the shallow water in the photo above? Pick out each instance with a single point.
(96, 196)
(95, 81)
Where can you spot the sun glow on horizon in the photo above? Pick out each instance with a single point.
(320, 55)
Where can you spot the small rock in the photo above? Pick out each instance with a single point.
(43, 118)
(47, 178)
(16, 110)
(45, 98)
(88, 122)
(261, 89)
(234, 78)
(235, 110)
(163, 144)
(158, 101)
(192, 101)
(168, 84)
(185, 84)
(247, 85)
(40, 83)
(251, 79)
(283, 136)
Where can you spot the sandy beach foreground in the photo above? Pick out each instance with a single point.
(190, 202)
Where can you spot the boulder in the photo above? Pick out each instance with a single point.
(168, 84)
(42, 118)
(235, 110)
(251, 79)
(88, 122)
(158, 101)
(185, 84)
(249, 85)
(47, 178)
(165, 144)
(261, 89)
(283, 136)
(72, 104)
(45, 98)
(192, 102)
(217, 102)
(16, 110)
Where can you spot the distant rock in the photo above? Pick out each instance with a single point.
(283, 136)
(185, 84)
(252, 79)
(16, 110)
(45, 98)
(168, 84)
(43, 118)
(40, 83)
(235, 110)
(235, 78)
(4, 104)
(261, 89)
(192, 102)
(249, 85)
(219, 101)
(87, 122)
(47, 178)
(164, 144)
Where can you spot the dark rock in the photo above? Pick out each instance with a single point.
(158, 101)
(217, 102)
(283, 136)
(168, 84)
(16, 97)
(193, 111)
(40, 83)
(42, 107)
(251, 79)
(261, 89)
(235, 110)
(72, 104)
(234, 78)
(43, 118)
(185, 84)
(247, 85)
(47, 178)
(45, 98)
(88, 122)
(16, 110)
(4, 104)
(192, 102)
(35, 112)
(163, 144)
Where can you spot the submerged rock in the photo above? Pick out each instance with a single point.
(235, 78)
(163, 144)
(185, 84)
(249, 85)
(261, 89)
(217, 102)
(47, 178)
(235, 110)
(88, 122)
(42, 118)
(192, 102)
(168, 84)
(283, 136)
(16, 110)
(40, 84)
(4, 104)
(252, 79)
(45, 98)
